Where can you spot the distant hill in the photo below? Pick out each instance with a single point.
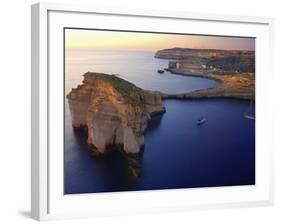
(227, 60)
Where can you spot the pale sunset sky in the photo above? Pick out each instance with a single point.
(136, 41)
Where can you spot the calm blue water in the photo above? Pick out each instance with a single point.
(139, 68)
(178, 153)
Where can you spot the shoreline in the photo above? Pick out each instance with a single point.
(236, 86)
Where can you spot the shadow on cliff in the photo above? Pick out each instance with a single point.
(154, 123)
(126, 170)
(112, 167)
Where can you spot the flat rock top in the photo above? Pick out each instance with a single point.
(126, 89)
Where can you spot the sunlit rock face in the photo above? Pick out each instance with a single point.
(210, 59)
(114, 111)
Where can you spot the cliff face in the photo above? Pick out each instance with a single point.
(234, 71)
(184, 53)
(223, 60)
(114, 111)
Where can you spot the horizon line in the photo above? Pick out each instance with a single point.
(216, 49)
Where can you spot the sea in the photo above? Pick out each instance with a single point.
(178, 153)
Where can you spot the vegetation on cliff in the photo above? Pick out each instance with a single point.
(126, 89)
(116, 114)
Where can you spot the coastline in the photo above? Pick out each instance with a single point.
(234, 70)
(130, 166)
(233, 86)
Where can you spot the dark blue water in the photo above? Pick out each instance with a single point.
(178, 153)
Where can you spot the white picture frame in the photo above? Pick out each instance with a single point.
(47, 199)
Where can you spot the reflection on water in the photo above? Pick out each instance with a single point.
(178, 153)
(154, 123)
(139, 68)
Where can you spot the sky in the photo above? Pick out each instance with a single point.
(137, 41)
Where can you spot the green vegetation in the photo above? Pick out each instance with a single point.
(126, 89)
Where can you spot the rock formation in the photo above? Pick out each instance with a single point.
(234, 70)
(236, 86)
(115, 113)
(223, 60)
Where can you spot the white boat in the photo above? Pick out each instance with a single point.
(249, 115)
(201, 121)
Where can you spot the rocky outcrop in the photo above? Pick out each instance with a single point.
(233, 70)
(210, 59)
(184, 53)
(234, 86)
(114, 112)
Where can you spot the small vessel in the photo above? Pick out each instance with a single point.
(160, 71)
(250, 111)
(201, 121)
(249, 114)
(249, 117)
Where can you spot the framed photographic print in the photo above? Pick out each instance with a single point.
(148, 111)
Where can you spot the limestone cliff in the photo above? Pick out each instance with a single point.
(114, 111)
(233, 69)
(209, 59)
